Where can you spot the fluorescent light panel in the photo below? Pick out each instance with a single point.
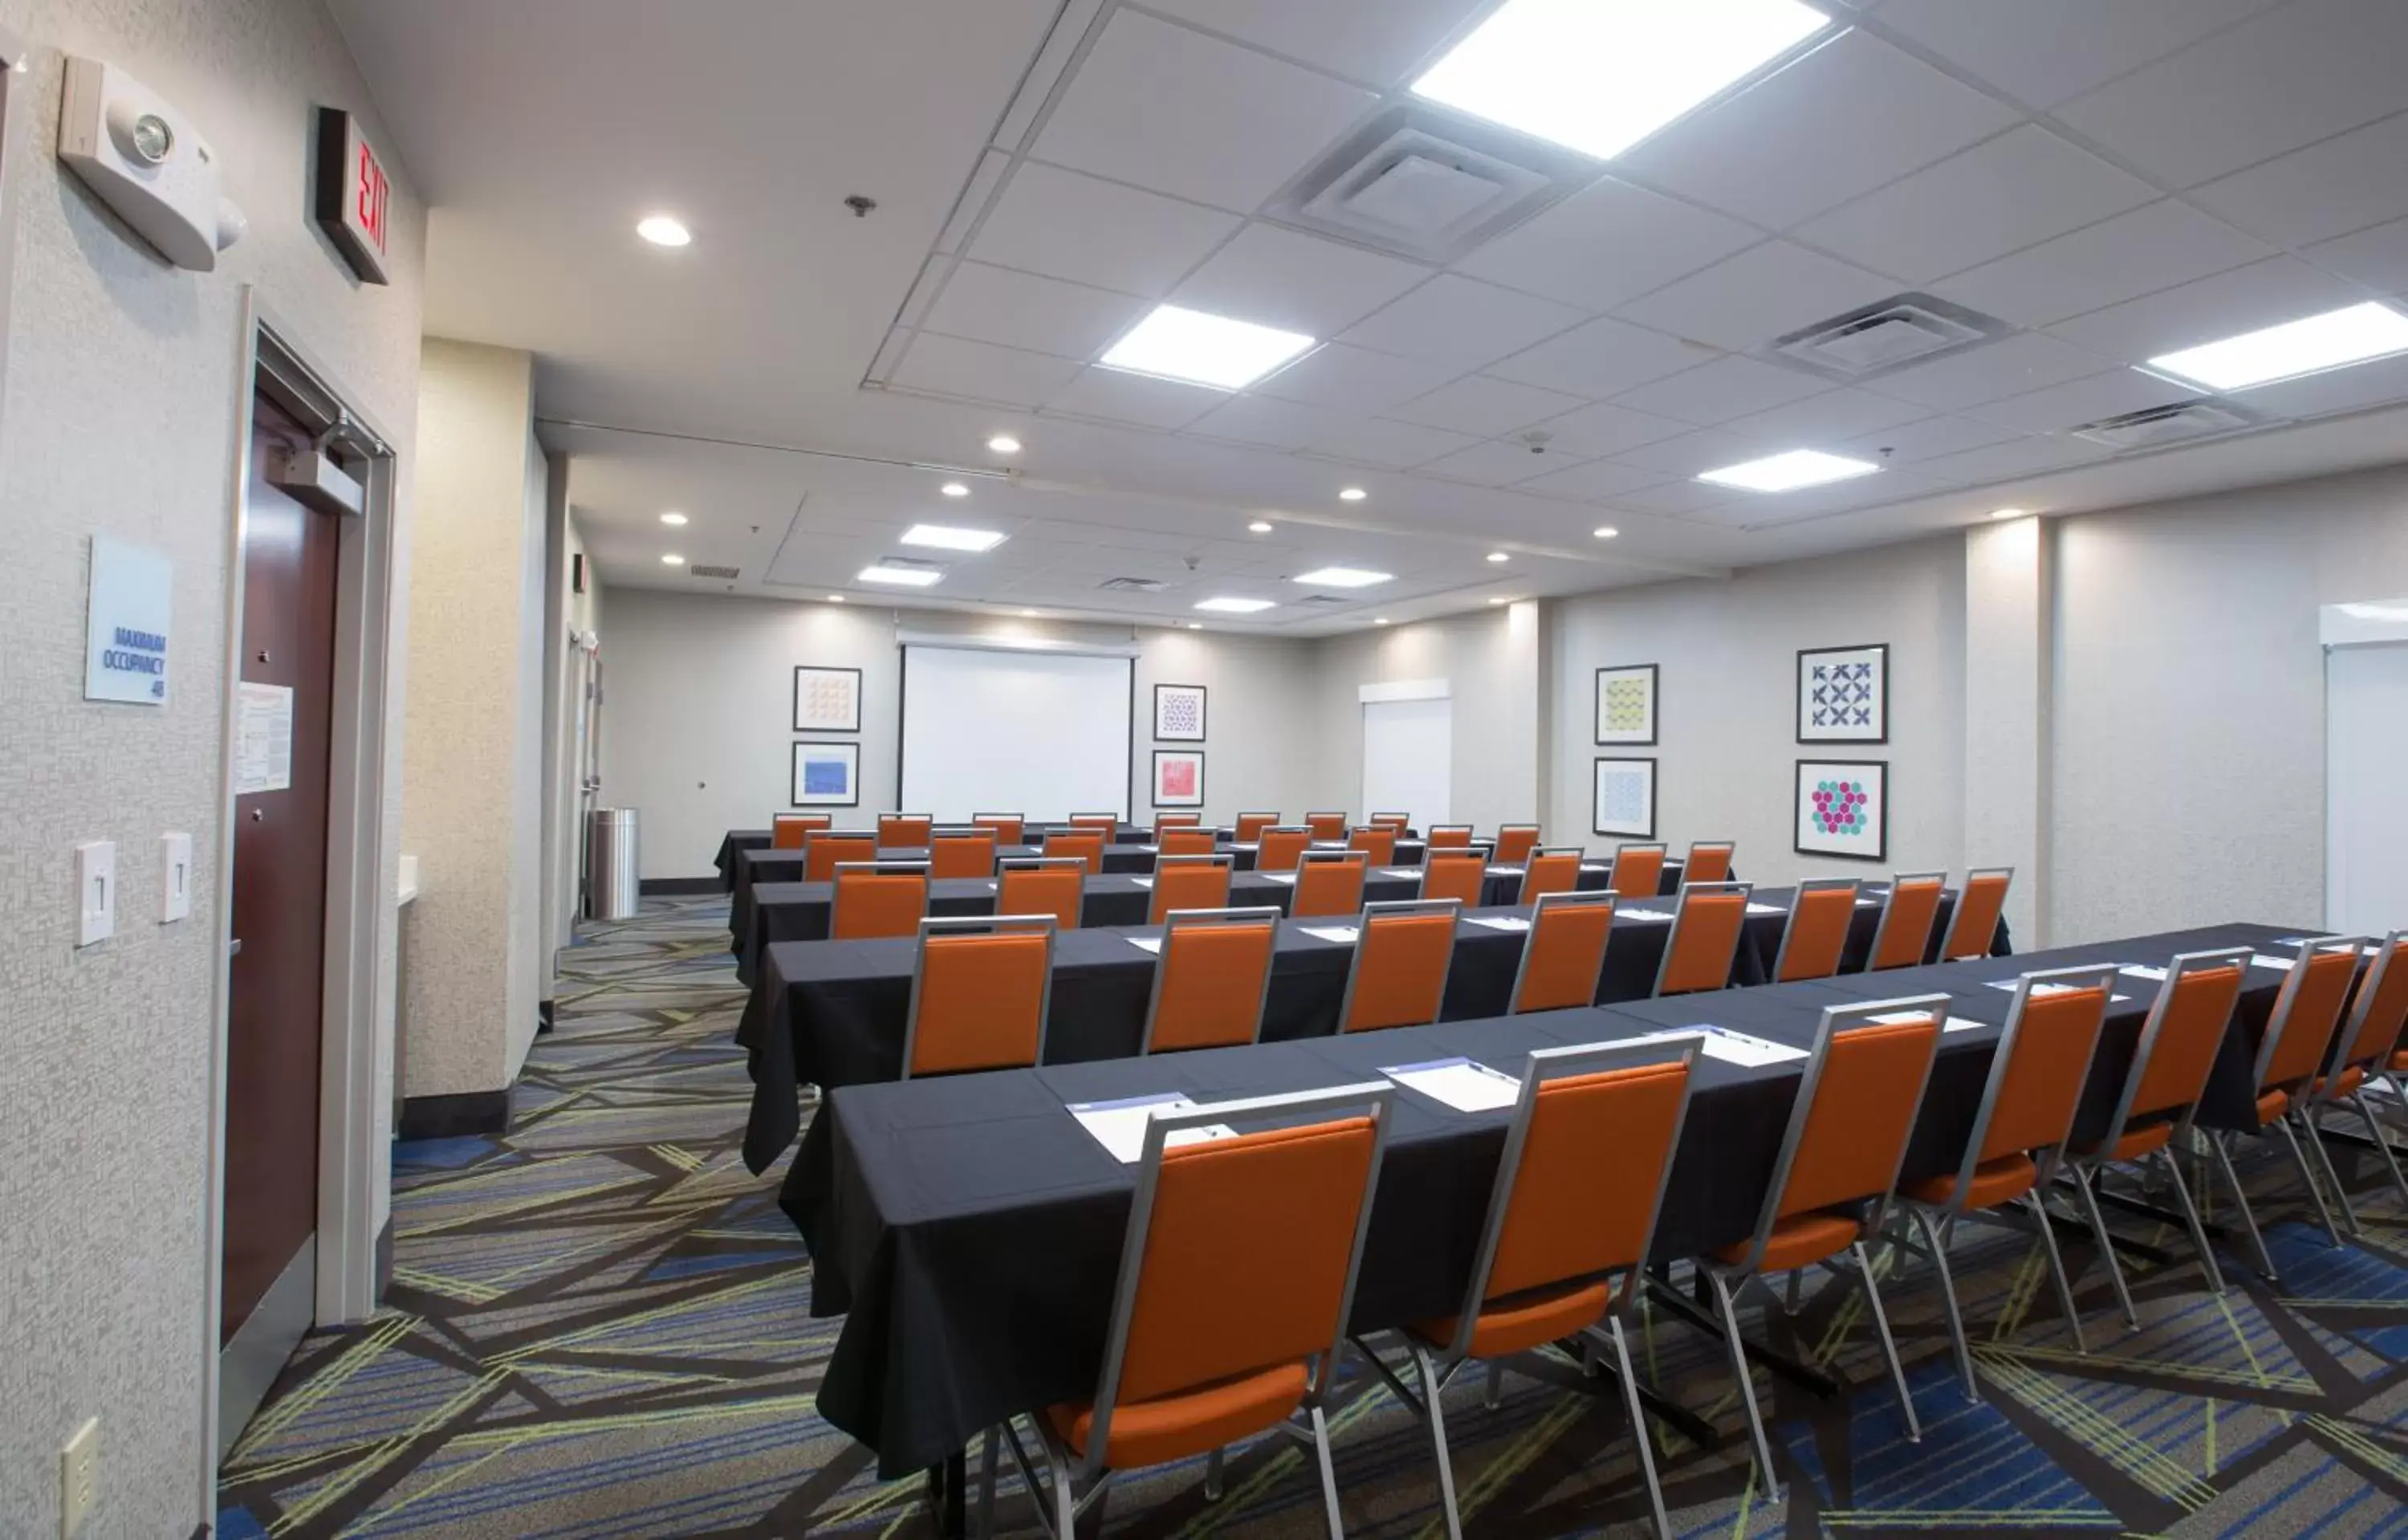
(1788, 472)
(1343, 577)
(2315, 343)
(1599, 76)
(1236, 606)
(947, 537)
(904, 577)
(1203, 350)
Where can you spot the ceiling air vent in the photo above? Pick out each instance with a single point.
(1426, 186)
(1134, 585)
(2165, 424)
(1324, 599)
(1908, 329)
(726, 574)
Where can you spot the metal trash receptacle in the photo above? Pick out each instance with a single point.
(612, 890)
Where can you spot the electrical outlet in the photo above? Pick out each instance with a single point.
(79, 1479)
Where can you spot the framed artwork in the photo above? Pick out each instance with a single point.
(1179, 713)
(827, 775)
(1844, 695)
(1843, 808)
(827, 699)
(1179, 778)
(1625, 705)
(1623, 792)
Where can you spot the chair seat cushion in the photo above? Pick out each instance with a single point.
(2352, 1077)
(2146, 1139)
(1524, 1322)
(2272, 1106)
(1798, 1241)
(1995, 1183)
(1193, 1422)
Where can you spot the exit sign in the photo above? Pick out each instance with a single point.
(354, 194)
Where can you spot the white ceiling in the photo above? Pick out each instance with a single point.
(2117, 179)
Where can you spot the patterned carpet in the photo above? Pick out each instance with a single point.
(596, 1330)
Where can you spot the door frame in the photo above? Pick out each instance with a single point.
(355, 1055)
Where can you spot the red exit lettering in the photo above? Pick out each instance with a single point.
(373, 194)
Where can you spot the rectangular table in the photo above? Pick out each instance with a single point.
(735, 840)
(969, 1229)
(755, 867)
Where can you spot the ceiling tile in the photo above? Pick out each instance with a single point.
(1353, 380)
(1928, 439)
(1690, 453)
(1377, 441)
(2079, 401)
(1675, 497)
(1278, 278)
(1260, 419)
(1485, 406)
(1065, 225)
(2015, 458)
(2380, 383)
(951, 366)
(2345, 183)
(1122, 397)
(2010, 367)
(1730, 386)
(1818, 422)
(1601, 358)
(2377, 258)
(2264, 293)
(1168, 108)
(1488, 464)
(1608, 429)
(1598, 479)
(1850, 116)
(2045, 50)
(1460, 321)
(2123, 258)
(2023, 187)
(1765, 292)
(1019, 311)
(1607, 243)
(1377, 41)
(2272, 84)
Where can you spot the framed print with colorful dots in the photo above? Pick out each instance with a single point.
(1843, 808)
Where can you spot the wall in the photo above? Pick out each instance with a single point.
(698, 719)
(564, 611)
(118, 415)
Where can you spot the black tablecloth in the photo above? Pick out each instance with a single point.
(970, 1229)
(736, 840)
(755, 867)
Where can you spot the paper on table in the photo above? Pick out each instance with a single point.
(1591, 866)
(1460, 1082)
(1346, 933)
(1723, 1043)
(1143, 882)
(1145, 943)
(993, 887)
(1287, 877)
(1868, 903)
(2041, 991)
(1755, 908)
(1504, 871)
(2142, 971)
(1400, 872)
(1501, 922)
(2263, 960)
(1953, 1024)
(1120, 1126)
(1643, 914)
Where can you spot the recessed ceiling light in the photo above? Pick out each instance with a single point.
(1260, 527)
(907, 577)
(836, 599)
(955, 489)
(1498, 555)
(1203, 350)
(660, 230)
(1028, 614)
(1234, 605)
(1787, 472)
(673, 520)
(1605, 532)
(673, 559)
(2327, 341)
(947, 537)
(1342, 577)
(1379, 620)
(1497, 598)
(1004, 443)
(1196, 625)
(1599, 75)
(1352, 494)
(2006, 512)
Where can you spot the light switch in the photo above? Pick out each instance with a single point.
(175, 878)
(95, 891)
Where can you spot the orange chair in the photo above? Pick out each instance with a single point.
(1563, 953)
(1376, 841)
(1449, 835)
(786, 829)
(2037, 1073)
(1979, 904)
(1706, 929)
(1236, 1280)
(962, 855)
(1008, 827)
(1327, 825)
(1213, 979)
(1710, 862)
(2363, 1049)
(1907, 916)
(1545, 872)
(1402, 955)
(878, 899)
(1458, 874)
(1279, 849)
(1186, 841)
(1250, 826)
(1106, 823)
(1165, 822)
(1815, 937)
(1514, 842)
(1327, 882)
(1396, 821)
(1085, 843)
(1554, 1237)
(2299, 1033)
(904, 830)
(1055, 885)
(1638, 870)
(1861, 1091)
(2177, 1049)
(823, 851)
(979, 990)
(1189, 882)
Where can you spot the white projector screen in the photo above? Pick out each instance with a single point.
(1045, 734)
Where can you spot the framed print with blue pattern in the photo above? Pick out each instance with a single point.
(1844, 695)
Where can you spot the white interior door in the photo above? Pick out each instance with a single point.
(2366, 759)
(1408, 749)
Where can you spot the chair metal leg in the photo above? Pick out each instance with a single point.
(1746, 1386)
(1329, 1473)
(990, 1453)
(1066, 1505)
(1431, 1390)
(1790, 1304)
(1948, 1299)
(2316, 1144)
(2240, 1206)
(1637, 1427)
(1889, 1346)
(2374, 1131)
(2057, 1271)
(1493, 1396)
(2084, 1179)
(2308, 1174)
(1212, 1477)
(2190, 1216)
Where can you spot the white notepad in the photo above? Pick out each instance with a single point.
(1345, 933)
(2263, 960)
(2142, 971)
(1590, 865)
(1143, 882)
(1463, 1083)
(1721, 1042)
(1120, 1126)
(1755, 908)
(2041, 991)
(1501, 922)
(1402, 871)
(1953, 1024)
(1287, 877)
(1642, 915)
(1145, 943)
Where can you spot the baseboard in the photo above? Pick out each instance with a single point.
(384, 1258)
(451, 1117)
(678, 887)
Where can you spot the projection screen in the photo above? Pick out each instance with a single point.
(1045, 734)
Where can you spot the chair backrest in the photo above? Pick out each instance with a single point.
(2378, 1012)
(1979, 904)
(1583, 1110)
(962, 855)
(787, 830)
(878, 899)
(1562, 953)
(1055, 885)
(1084, 843)
(980, 989)
(1189, 882)
(1212, 978)
(824, 850)
(2039, 1067)
(1106, 823)
(1398, 821)
(1448, 837)
(1186, 841)
(1250, 826)
(1376, 841)
(1907, 914)
(1545, 872)
(1816, 936)
(1328, 882)
(1706, 929)
(904, 830)
(1401, 959)
(1165, 822)
(1710, 862)
(1240, 1253)
(1514, 842)
(1856, 1104)
(2180, 1038)
(1638, 870)
(1009, 828)
(1458, 874)
(1327, 825)
(2307, 1012)
(1279, 849)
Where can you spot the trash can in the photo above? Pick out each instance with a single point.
(610, 882)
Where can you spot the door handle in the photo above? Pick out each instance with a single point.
(233, 948)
